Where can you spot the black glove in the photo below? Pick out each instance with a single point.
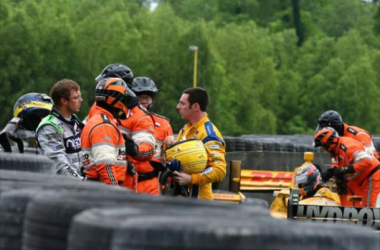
(340, 173)
(158, 166)
(341, 186)
(130, 168)
(328, 174)
(131, 147)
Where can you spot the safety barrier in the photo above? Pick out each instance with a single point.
(369, 217)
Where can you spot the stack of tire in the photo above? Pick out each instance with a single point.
(277, 143)
(47, 212)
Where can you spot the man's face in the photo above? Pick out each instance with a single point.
(184, 108)
(75, 102)
(145, 100)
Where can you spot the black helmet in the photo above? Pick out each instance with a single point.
(31, 108)
(28, 112)
(332, 119)
(145, 86)
(115, 93)
(117, 70)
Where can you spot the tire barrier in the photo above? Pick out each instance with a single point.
(277, 143)
(109, 229)
(48, 218)
(26, 162)
(119, 216)
(11, 180)
(12, 211)
(255, 202)
(14, 199)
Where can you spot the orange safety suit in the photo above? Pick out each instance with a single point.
(361, 135)
(365, 182)
(139, 126)
(201, 183)
(103, 147)
(148, 176)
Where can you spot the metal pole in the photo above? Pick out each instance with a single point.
(195, 67)
(195, 49)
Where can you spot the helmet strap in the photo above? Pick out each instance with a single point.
(106, 106)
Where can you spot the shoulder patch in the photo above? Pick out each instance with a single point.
(211, 135)
(105, 118)
(214, 146)
(352, 131)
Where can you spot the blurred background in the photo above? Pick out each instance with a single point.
(270, 66)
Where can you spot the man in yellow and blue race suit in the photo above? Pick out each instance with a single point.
(192, 107)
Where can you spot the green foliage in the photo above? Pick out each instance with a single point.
(259, 81)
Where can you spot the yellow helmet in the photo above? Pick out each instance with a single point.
(191, 153)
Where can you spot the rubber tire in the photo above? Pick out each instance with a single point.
(255, 202)
(12, 211)
(49, 217)
(10, 180)
(97, 228)
(13, 203)
(176, 231)
(26, 162)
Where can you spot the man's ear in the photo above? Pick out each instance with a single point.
(63, 101)
(196, 106)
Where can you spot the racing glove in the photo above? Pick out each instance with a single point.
(340, 173)
(131, 147)
(158, 166)
(341, 186)
(328, 174)
(174, 165)
(131, 169)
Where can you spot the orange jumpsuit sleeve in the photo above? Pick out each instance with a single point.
(143, 136)
(360, 159)
(365, 139)
(104, 139)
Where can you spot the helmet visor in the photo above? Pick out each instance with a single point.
(12, 125)
(302, 179)
(99, 77)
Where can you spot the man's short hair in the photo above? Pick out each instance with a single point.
(62, 89)
(197, 95)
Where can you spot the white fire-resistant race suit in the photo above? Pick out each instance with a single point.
(59, 139)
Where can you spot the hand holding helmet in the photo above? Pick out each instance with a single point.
(328, 174)
(340, 173)
(341, 184)
(174, 165)
(191, 154)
